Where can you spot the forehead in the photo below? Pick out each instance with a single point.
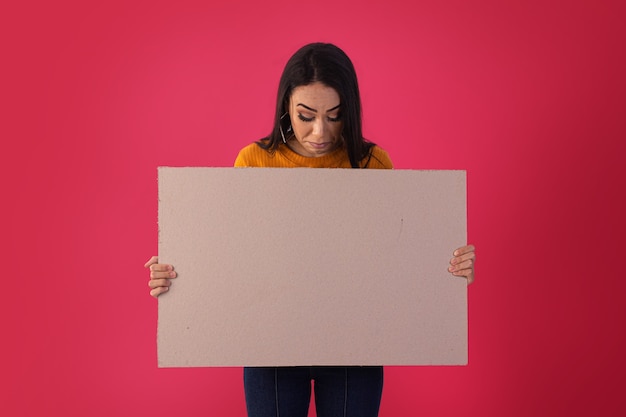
(316, 94)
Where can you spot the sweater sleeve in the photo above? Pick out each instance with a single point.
(380, 159)
(245, 156)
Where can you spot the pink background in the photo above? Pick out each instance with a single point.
(528, 97)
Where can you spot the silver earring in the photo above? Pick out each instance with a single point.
(280, 127)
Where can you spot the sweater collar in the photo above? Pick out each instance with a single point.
(333, 159)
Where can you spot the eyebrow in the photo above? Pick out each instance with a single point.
(313, 110)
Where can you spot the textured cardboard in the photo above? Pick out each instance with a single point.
(285, 267)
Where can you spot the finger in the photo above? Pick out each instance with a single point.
(161, 267)
(466, 273)
(464, 249)
(168, 274)
(462, 269)
(455, 266)
(158, 291)
(462, 258)
(459, 270)
(152, 260)
(156, 283)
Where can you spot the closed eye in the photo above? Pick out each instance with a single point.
(305, 119)
(310, 119)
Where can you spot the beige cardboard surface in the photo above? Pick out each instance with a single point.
(284, 266)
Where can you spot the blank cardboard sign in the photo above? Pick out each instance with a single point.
(287, 267)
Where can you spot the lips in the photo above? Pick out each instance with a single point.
(319, 145)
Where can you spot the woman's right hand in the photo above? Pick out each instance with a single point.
(160, 276)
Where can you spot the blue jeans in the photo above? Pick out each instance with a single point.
(339, 391)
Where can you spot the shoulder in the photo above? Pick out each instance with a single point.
(251, 155)
(379, 158)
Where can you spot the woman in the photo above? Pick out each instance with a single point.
(317, 124)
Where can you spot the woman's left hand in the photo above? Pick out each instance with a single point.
(462, 265)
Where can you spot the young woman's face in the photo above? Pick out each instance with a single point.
(314, 110)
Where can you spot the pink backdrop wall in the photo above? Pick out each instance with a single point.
(528, 97)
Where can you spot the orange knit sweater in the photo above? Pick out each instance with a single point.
(254, 156)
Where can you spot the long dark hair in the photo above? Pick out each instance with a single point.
(329, 65)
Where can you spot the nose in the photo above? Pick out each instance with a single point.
(318, 128)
